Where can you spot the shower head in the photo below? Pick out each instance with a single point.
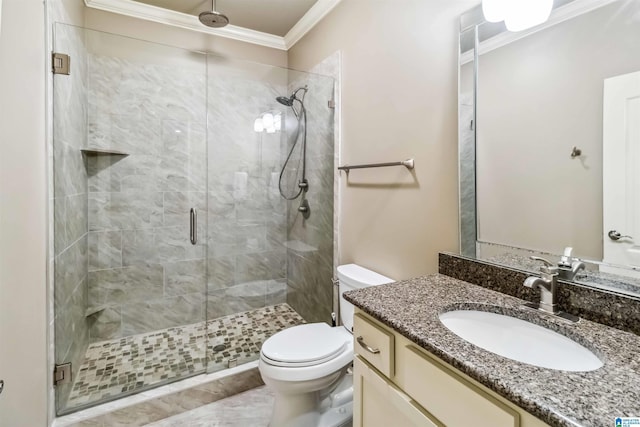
(213, 19)
(288, 101)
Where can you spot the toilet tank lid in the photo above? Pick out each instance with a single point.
(360, 277)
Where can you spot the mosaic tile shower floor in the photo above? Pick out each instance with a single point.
(113, 367)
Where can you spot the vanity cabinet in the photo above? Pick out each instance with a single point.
(398, 383)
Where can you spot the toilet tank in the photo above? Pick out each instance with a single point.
(350, 277)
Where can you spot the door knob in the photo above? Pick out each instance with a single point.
(615, 236)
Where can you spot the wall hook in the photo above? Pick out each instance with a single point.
(576, 152)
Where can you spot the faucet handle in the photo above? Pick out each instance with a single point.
(548, 267)
(565, 259)
(545, 261)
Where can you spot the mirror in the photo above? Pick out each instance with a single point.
(549, 134)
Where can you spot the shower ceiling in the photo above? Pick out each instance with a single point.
(275, 17)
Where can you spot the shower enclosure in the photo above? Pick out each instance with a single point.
(173, 252)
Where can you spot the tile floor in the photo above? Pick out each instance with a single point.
(134, 363)
(249, 409)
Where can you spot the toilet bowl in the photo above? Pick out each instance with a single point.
(307, 366)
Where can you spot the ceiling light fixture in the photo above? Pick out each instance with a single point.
(494, 10)
(269, 122)
(518, 15)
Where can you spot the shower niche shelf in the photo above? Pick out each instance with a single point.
(102, 152)
(95, 310)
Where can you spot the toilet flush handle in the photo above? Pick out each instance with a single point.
(367, 347)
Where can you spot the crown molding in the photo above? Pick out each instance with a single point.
(561, 14)
(177, 19)
(310, 19)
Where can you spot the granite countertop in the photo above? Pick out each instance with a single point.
(559, 398)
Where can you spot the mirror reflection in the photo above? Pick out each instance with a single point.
(557, 152)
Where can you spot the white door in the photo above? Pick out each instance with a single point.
(621, 171)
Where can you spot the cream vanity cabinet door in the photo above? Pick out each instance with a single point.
(451, 396)
(398, 384)
(380, 404)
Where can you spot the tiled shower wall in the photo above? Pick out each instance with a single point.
(246, 213)
(70, 202)
(310, 242)
(122, 219)
(144, 273)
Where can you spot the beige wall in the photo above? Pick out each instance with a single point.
(538, 97)
(399, 99)
(76, 13)
(23, 311)
(174, 36)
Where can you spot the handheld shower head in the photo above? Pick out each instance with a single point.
(288, 102)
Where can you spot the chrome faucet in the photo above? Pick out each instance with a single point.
(548, 285)
(568, 267)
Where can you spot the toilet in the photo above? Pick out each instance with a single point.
(307, 366)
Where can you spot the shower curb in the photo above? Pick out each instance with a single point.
(171, 403)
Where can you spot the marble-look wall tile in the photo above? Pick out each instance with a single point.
(310, 255)
(60, 240)
(236, 299)
(70, 92)
(251, 238)
(246, 235)
(115, 173)
(76, 216)
(260, 266)
(71, 332)
(183, 175)
(70, 268)
(162, 313)
(185, 277)
(221, 204)
(105, 324)
(124, 285)
(276, 292)
(139, 247)
(143, 263)
(222, 239)
(310, 289)
(221, 272)
(105, 250)
(69, 176)
(467, 159)
(124, 211)
(177, 207)
(174, 244)
(70, 318)
(68, 187)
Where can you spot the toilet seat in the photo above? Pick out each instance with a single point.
(303, 356)
(304, 345)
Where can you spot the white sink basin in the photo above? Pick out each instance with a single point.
(520, 340)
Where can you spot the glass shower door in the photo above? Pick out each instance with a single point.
(258, 240)
(130, 164)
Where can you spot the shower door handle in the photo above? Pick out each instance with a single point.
(193, 226)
